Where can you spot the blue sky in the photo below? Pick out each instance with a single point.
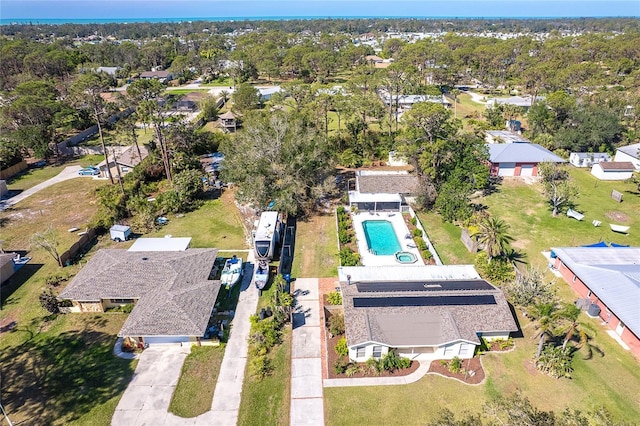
(103, 9)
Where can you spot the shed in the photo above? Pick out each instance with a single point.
(613, 170)
(120, 232)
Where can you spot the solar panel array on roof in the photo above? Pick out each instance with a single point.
(385, 302)
(388, 287)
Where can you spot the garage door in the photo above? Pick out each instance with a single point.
(507, 169)
(165, 340)
(526, 170)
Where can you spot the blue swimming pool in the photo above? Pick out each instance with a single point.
(381, 238)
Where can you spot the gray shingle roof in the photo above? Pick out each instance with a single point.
(612, 274)
(520, 153)
(388, 184)
(422, 325)
(175, 295)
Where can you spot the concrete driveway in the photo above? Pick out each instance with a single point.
(69, 172)
(149, 393)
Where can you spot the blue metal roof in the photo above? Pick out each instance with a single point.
(521, 153)
(612, 274)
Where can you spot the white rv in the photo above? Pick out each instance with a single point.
(267, 235)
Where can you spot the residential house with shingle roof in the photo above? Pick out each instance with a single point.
(609, 277)
(172, 292)
(384, 190)
(422, 312)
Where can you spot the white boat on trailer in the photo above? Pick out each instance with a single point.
(261, 275)
(232, 272)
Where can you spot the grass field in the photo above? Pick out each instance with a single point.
(316, 251)
(445, 237)
(194, 392)
(534, 229)
(216, 224)
(171, 91)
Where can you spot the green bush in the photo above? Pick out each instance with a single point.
(414, 221)
(498, 271)
(455, 365)
(336, 325)
(374, 366)
(261, 367)
(352, 369)
(420, 244)
(392, 361)
(334, 298)
(417, 233)
(344, 236)
(340, 366)
(348, 257)
(341, 347)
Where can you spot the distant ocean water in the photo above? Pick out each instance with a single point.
(42, 21)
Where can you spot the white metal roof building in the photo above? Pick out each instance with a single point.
(610, 278)
(161, 244)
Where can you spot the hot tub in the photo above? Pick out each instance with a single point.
(406, 257)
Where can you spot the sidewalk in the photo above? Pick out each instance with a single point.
(380, 381)
(69, 172)
(307, 405)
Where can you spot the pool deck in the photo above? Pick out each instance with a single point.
(401, 230)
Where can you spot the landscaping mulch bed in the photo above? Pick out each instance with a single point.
(470, 365)
(332, 357)
(617, 216)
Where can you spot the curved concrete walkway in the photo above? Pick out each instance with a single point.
(146, 399)
(380, 381)
(69, 172)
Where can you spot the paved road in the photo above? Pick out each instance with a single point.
(146, 399)
(307, 404)
(69, 172)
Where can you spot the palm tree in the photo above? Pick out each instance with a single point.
(545, 316)
(493, 236)
(573, 331)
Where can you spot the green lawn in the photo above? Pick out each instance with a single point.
(194, 392)
(523, 207)
(183, 91)
(31, 177)
(216, 224)
(445, 237)
(266, 402)
(316, 251)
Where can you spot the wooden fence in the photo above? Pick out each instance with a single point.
(77, 246)
(13, 170)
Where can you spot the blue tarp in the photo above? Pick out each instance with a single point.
(618, 245)
(596, 245)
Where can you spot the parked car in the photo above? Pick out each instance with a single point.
(89, 171)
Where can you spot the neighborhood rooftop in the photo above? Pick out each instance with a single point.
(520, 152)
(161, 244)
(175, 294)
(613, 274)
(631, 150)
(425, 316)
(388, 184)
(617, 165)
(507, 136)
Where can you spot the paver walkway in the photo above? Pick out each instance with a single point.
(307, 405)
(69, 172)
(146, 399)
